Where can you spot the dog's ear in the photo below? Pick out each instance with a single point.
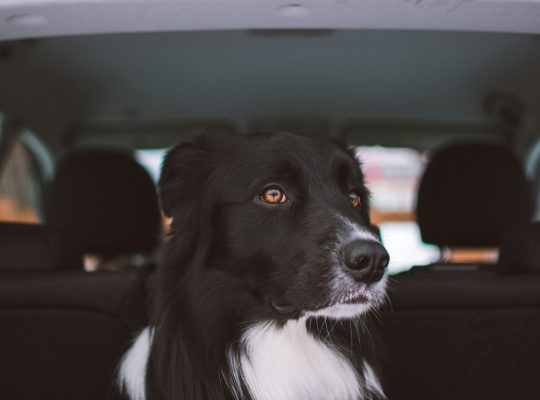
(184, 190)
(351, 150)
(347, 149)
(185, 169)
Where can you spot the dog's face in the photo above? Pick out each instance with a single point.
(280, 220)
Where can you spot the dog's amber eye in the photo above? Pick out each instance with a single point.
(273, 196)
(356, 200)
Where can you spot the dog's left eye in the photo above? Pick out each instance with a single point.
(356, 200)
(273, 196)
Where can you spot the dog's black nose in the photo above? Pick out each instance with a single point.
(365, 260)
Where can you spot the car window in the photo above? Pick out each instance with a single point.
(392, 175)
(20, 187)
(532, 169)
(151, 159)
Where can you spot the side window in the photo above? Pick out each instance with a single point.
(20, 186)
(532, 169)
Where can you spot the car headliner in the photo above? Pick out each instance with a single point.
(40, 18)
(408, 67)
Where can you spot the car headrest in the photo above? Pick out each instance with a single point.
(520, 249)
(36, 247)
(107, 201)
(471, 194)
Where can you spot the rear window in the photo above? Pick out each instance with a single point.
(393, 176)
(151, 160)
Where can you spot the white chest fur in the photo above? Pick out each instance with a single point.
(288, 363)
(279, 364)
(132, 372)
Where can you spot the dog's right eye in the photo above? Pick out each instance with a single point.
(273, 196)
(356, 200)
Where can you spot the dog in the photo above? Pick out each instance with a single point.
(265, 278)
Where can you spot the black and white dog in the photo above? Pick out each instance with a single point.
(268, 270)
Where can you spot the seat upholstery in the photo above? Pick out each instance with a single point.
(520, 250)
(466, 331)
(63, 330)
(107, 201)
(463, 335)
(470, 353)
(471, 194)
(37, 247)
(63, 333)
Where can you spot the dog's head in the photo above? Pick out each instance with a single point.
(279, 221)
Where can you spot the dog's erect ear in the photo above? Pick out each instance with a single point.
(347, 149)
(185, 169)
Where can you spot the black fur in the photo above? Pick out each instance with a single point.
(230, 260)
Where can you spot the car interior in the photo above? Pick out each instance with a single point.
(444, 114)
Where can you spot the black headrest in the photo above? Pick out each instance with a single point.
(36, 247)
(108, 201)
(471, 194)
(520, 249)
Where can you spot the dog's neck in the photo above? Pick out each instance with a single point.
(288, 363)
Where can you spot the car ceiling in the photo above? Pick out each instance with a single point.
(40, 18)
(251, 78)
